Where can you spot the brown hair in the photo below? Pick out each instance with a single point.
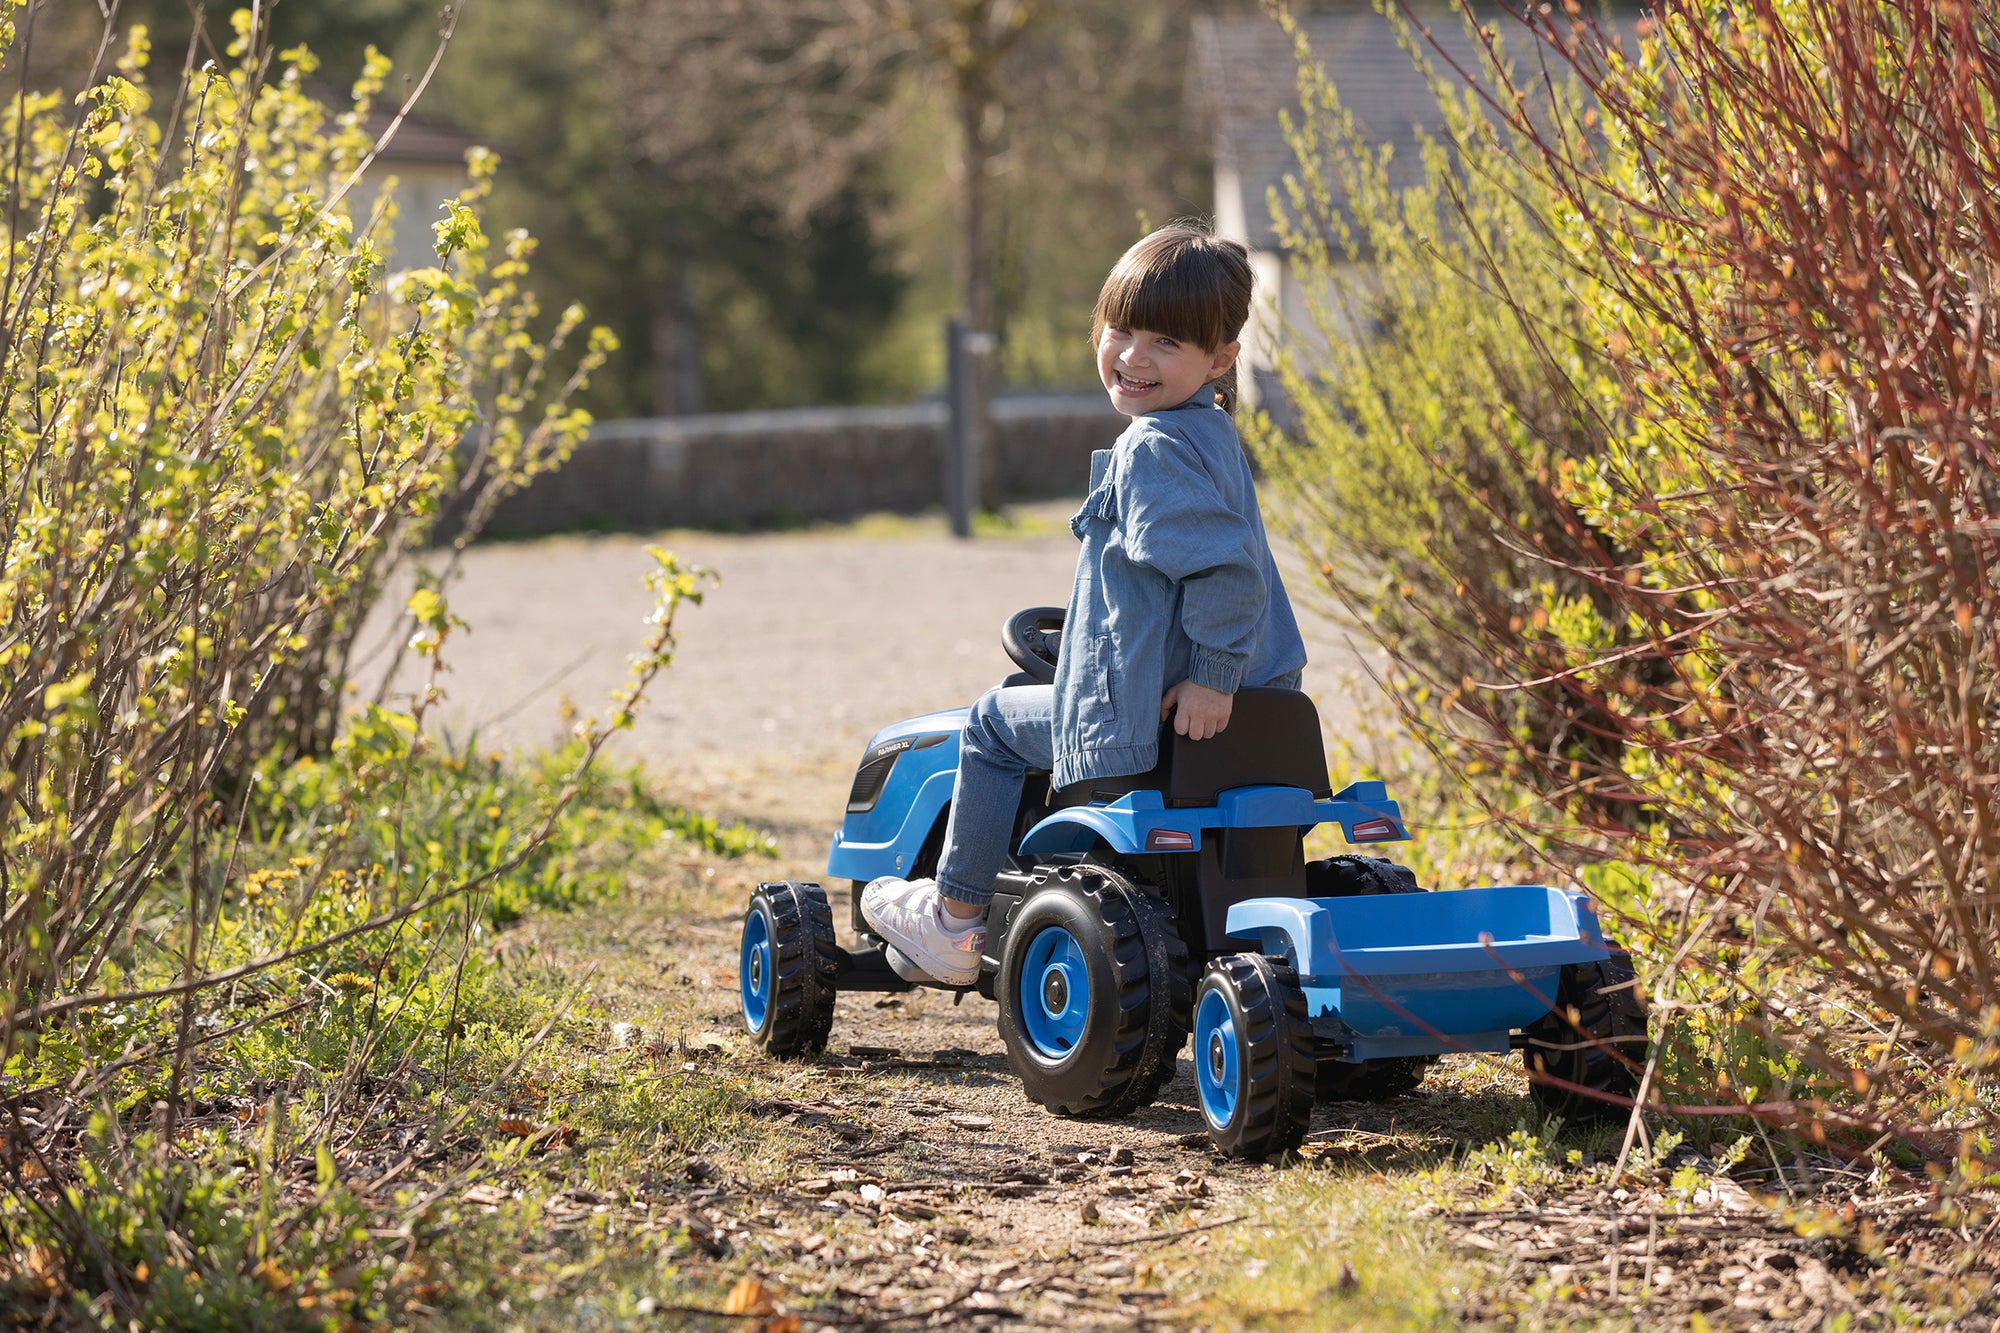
(1182, 282)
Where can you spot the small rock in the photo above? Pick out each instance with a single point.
(1121, 1156)
(872, 1194)
(971, 1121)
(699, 1170)
(1088, 1213)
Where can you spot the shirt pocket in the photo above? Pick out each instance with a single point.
(1096, 701)
(1102, 502)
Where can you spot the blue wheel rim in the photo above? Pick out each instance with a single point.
(1054, 993)
(754, 969)
(1217, 1061)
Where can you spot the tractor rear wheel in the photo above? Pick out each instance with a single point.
(1370, 1080)
(1093, 992)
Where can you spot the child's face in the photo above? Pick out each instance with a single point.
(1148, 372)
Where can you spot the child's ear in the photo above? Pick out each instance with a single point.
(1225, 357)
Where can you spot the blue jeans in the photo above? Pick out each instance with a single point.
(1012, 729)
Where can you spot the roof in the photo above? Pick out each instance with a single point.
(1245, 74)
(419, 140)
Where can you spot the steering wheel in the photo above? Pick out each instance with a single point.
(1033, 638)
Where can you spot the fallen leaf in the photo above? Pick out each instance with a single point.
(751, 1296)
(42, 1266)
(515, 1125)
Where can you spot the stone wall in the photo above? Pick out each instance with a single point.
(746, 468)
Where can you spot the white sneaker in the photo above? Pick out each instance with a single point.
(909, 916)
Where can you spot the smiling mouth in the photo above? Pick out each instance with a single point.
(1131, 385)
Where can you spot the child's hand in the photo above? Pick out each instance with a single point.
(1199, 712)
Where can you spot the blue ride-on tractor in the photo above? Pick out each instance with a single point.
(1138, 910)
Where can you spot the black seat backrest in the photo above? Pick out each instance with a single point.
(1272, 740)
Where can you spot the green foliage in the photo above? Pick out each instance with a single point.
(217, 432)
(1447, 374)
(1700, 603)
(426, 1006)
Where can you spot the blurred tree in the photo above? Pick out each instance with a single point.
(790, 101)
(750, 192)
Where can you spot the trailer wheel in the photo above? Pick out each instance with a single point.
(786, 968)
(1093, 992)
(1253, 1057)
(1594, 1038)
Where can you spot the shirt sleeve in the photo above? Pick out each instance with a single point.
(1175, 520)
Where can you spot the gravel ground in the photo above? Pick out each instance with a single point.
(926, 1190)
(811, 642)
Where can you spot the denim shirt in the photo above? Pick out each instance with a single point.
(1175, 582)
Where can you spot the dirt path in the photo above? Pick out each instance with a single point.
(926, 1176)
(917, 1187)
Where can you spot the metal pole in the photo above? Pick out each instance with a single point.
(961, 467)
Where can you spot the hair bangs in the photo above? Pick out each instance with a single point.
(1166, 284)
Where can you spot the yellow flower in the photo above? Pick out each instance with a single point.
(351, 981)
(493, 812)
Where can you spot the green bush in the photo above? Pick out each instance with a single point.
(219, 426)
(1446, 372)
(1704, 606)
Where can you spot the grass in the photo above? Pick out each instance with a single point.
(350, 1101)
(577, 1135)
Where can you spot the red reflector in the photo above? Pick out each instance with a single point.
(1375, 830)
(1169, 840)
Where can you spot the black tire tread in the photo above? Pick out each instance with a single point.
(802, 967)
(1354, 876)
(1595, 1037)
(1276, 1050)
(1151, 1021)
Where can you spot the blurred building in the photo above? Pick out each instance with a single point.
(426, 163)
(1244, 75)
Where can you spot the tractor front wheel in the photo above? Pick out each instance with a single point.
(786, 968)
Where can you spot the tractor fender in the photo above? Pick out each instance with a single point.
(898, 853)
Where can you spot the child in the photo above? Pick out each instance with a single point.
(1176, 598)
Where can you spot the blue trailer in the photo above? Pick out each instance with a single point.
(1140, 911)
